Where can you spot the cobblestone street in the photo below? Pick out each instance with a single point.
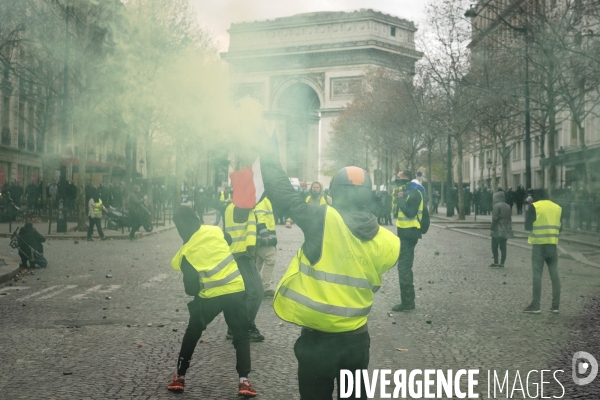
(105, 321)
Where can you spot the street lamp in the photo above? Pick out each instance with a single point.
(561, 156)
(489, 167)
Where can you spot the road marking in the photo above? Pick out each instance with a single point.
(153, 280)
(68, 287)
(38, 293)
(9, 288)
(95, 289)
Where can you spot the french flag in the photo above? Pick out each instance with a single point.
(248, 186)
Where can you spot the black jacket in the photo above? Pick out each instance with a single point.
(310, 218)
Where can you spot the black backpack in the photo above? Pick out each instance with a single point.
(425, 221)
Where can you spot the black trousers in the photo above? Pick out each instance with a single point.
(405, 265)
(98, 223)
(321, 356)
(136, 223)
(202, 312)
(499, 242)
(254, 287)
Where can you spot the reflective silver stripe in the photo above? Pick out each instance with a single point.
(263, 212)
(336, 278)
(407, 219)
(543, 235)
(321, 307)
(221, 282)
(546, 227)
(219, 267)
(238, 227)
(242, 238)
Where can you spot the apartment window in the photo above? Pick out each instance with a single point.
(536, 150)
(393, 31)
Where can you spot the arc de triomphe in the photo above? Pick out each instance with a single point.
(301, 69)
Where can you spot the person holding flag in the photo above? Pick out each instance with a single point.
(329, 286)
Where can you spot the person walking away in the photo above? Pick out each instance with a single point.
(135, 211)
(211, 275)
(436, 201)
(30, 247)
(266, 249)
(501, 228)
(225, 197)
(240, 223)
(510, 198)
(330, 296)
(95, 208)
(520, 199)
(543, 222)
(410, 213)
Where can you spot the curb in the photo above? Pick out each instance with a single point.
(84, 236)
(10, 270)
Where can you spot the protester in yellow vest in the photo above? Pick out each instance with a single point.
(240, 223)
(266, 250)
(316, 197)
(95, 217)
(329, 286)
(211, 275)
(409, 206)
(543, 220)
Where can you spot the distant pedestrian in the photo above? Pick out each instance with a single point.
(95, 216)
(135, 211)
(543, 222)
(436, 201)
(501, 229)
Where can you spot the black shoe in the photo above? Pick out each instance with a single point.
(90, 239)
(103, 238)
(532, 309)
(269, 293)
(494, 265)
(255, 336)
(404, 307)
(501, 265)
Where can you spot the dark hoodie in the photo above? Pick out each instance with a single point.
(310, 218)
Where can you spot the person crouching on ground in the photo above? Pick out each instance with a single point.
(501, 229)
(211, 275)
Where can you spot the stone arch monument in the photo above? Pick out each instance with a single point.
(301, 68)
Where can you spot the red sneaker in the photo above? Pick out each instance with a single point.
(246, 389)
(177, 384)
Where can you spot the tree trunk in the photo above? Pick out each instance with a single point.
(551, 142)
(461, 192)
(429, 184)
(149, 167)
(481, 166)
(505, 156)
(80, 200)
(494, 182)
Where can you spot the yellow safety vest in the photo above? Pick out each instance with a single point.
(404, 222)
(336, 293)
(98, 209)
(264, 215)
(546, 226)
(209, 254)
(243, 235)
(322, 200)
(222, 196)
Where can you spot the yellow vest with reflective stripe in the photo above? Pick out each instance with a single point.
(98, 209)
(209, 254)
(222, 196)
(322, 200)
(336, 293)
(546, 226)
(404, 222)
(264, 215)
(243, 235)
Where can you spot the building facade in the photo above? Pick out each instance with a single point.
(302, 68)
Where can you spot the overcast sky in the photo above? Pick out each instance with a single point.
(218, 15)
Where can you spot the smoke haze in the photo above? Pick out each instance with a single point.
(217, 16)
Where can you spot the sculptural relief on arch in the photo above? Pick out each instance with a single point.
(302, 69)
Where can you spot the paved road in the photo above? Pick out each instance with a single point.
(70, 318)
